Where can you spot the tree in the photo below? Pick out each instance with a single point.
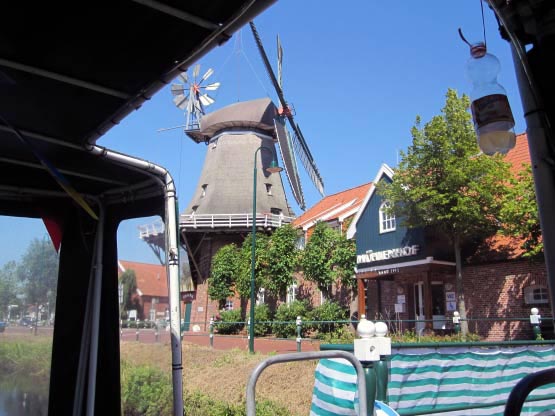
(444, 183)
(225, 264)
(280, 260)
(130, 299)
(276, 260)
(38, 272)
(8, 287)
(329, 257)
(519, 214)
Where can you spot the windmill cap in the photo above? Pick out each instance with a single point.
(478, 50)
(257, 114)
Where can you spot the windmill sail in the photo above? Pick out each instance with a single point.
(300, 143)
(289, 162)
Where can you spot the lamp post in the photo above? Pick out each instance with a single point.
(120, 299)
(273, 168)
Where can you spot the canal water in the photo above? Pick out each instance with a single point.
(16, 401)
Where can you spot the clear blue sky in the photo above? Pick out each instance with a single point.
(357, 73)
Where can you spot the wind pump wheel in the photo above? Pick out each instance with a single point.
(191, 95)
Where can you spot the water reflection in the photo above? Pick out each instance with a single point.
(17, 402)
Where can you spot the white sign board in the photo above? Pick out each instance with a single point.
(401, 299)
(399, 308)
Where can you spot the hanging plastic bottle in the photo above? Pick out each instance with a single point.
(491, 112)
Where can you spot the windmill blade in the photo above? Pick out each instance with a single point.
(212, 87)
(280, 59)
(196, 71)
(206, 75)
(181, 101)
(300, 143)
(177, 89)
(183, 77)
(306, 157)
(206, 100)
(289, 162)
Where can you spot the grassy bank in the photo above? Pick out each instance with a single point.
(214, 381)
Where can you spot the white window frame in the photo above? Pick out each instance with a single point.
(387, 222)
(228, 305)
(291, 293)
(260, 297)
(536, 295)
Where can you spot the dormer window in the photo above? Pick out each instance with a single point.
(203, 192)
(387, 219)
(269, 188)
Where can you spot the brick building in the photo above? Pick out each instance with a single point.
(337, 210)
(152, 288)
(409, 274)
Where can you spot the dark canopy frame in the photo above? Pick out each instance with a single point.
(68, 73)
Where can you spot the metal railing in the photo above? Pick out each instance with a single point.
(265, 220)
(303, 356)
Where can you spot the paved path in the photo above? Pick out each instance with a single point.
(223, 342)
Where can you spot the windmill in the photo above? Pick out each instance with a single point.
(220, 211)
(191, 95)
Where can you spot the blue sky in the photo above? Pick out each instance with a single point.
(357, 76)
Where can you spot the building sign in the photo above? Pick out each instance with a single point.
(451, 301)
(373, 256)
(188, 296)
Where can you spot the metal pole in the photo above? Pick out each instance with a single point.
(253, 250)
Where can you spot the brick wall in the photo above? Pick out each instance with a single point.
(496, 290)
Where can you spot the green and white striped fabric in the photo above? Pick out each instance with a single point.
(335, 391)
(422, 379)
(335, 388)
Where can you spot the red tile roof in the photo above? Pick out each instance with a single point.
(510, 247)
(519, 154)
(151, 278)
(334, 206)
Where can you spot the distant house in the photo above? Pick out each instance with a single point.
(409, 274)
(152, 288)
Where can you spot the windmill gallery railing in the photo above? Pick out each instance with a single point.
(264, 220)
(196, 221)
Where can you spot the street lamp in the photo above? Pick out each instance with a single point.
(273, 168)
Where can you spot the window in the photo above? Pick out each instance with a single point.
(203, 193)
(194, 209)
(535, 294)
(275, 211)
(301, 242)
(260, 297)
(228, 305)
(269, 188)
(387, 220)
(291, 293)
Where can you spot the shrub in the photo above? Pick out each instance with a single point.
(289, 313)
(145, 391)
(262, 316)
(230, 322)
(329, 312)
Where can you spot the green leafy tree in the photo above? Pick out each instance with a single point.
(329, 257)
(280, 260)
(519, 214)
(8, 287)
(38, 273)
(130, 300)
(443, 182)
(225, 265)
(243, 281)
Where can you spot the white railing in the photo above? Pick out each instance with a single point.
(219, 221)
(152, 229)
(265, 220)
